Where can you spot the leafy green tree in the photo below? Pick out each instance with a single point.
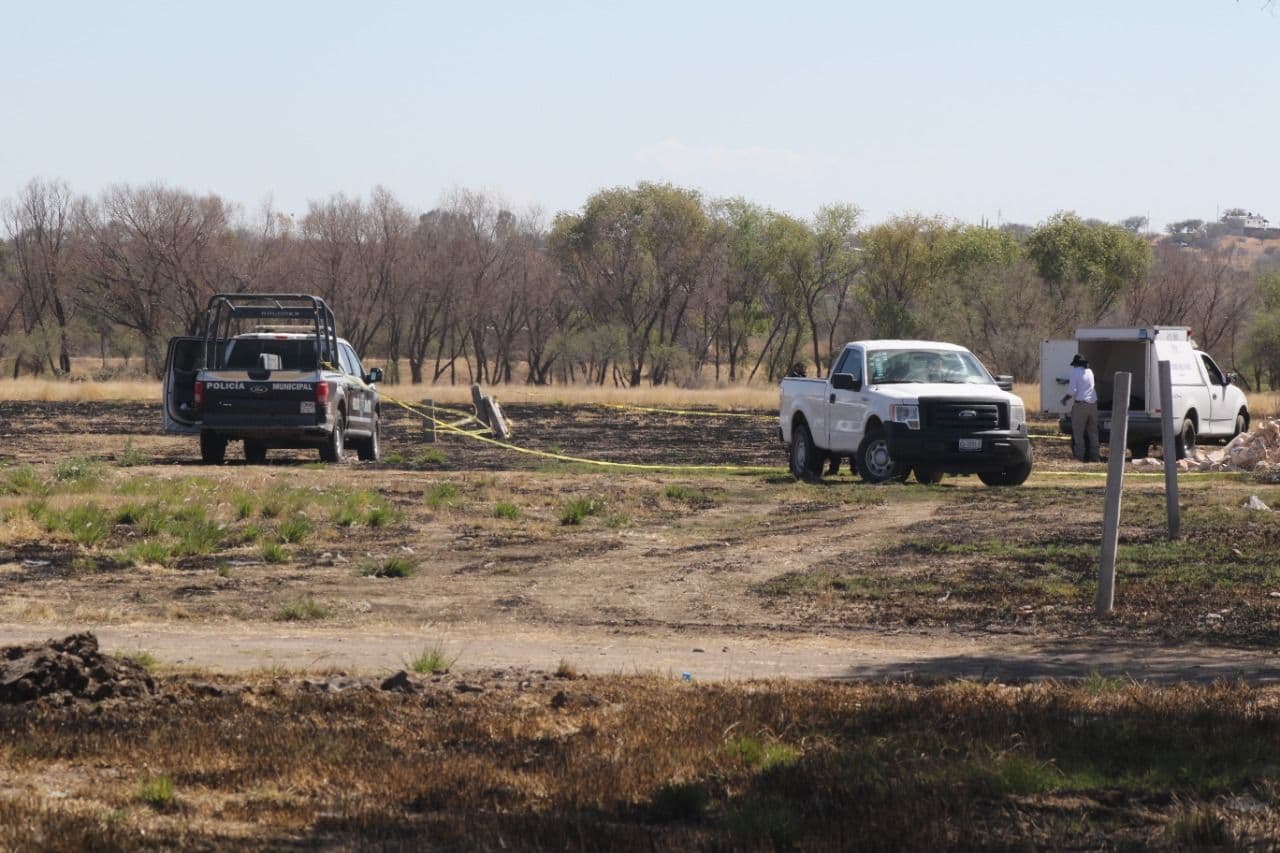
(903, 260)
(1264, 336)
(1087, 265)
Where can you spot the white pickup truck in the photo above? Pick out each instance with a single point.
(1206, 402)
(902, 406)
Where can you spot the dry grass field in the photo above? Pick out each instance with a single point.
(565, 600)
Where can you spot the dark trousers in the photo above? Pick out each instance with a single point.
(1084, 431)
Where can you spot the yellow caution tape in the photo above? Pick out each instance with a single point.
(706, 413)
(561, 457)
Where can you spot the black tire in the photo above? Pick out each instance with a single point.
(1185, 443)
(255, 452)
(1015, 476)
(213, 448)
(333, 448)
(370, 449)
(928, 476)
(1140, 449)
(805, 459)
(1242, 423)
(875, 465)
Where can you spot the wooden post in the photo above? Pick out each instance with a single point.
(430, 425)
(1115, 487)
(1170, 455)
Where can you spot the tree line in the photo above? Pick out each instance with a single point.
(647, 284)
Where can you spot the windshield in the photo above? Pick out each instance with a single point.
(295, 354)
(888, 366)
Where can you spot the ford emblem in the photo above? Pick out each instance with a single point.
(968, 413)
(259, 389)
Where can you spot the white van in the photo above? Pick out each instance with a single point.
(1206, 403)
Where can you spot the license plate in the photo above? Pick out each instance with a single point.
(970, 444)
(308, 407)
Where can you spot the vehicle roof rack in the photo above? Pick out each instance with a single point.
(226, 309)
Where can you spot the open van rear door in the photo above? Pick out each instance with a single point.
(1055, 375)
(184, 361)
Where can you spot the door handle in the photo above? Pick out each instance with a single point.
(833, 398)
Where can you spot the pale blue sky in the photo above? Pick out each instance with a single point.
(1166, 107)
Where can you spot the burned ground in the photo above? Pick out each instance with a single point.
(457, 555)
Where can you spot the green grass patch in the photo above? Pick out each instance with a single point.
(430, 661)
(441, 495)
(79, 473)
(141, 658)
(272, 552)
(305, 610)
(579, 509)
(428, 459)
(764, 755)
(23, 480)
(507, 510)
(391, 567)
(294, 529)
(157, 792)
(131, 456)
(147, 552)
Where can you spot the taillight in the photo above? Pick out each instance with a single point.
(322, 393)
(199, 394)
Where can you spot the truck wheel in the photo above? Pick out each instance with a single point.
(213, 448)
(806, 460)
(875, 465)
(370, 449)
(1140, 449)
(1186, 440)
(1015, 476)
(332, 450)
(928, 476)
(1242, 423)
(255, 452)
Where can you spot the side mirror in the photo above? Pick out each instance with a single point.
(1229, 380)
(845, 382)
(1004, 382)
(375, 375)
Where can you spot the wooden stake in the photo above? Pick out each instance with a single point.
(1115, 487)
(1170, 451)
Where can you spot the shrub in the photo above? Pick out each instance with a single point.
(430, 457)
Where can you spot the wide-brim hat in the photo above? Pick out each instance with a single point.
(1079, 361)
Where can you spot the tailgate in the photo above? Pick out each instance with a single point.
(284, 398)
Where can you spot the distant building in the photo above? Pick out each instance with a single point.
(1248, 224)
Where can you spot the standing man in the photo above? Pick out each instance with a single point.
(1084, 411)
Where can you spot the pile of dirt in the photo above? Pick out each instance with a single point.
(69, 669)
(1257, 451)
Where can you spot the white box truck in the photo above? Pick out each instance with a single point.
(1206, 403)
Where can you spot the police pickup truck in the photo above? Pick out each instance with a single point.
(287, 382)
(901, 406)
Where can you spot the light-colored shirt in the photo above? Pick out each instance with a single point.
(1081, 387)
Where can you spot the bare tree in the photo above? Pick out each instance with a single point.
(39, 224)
